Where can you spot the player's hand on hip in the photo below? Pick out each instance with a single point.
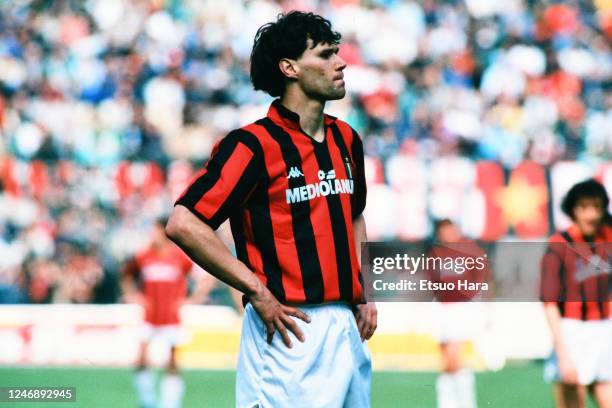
(277, 316)
(568, 372)
(366, 316)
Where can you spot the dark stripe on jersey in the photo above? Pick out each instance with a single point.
(244, 187)
(583, 304)
(359, 198)
(339, 140)
(263, 237)
(238, 195)
(562, 289)
(312, 276)
(237, 227)
(602, 293)
(345, 274)
(204, 183)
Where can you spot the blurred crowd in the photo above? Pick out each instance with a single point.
(107, 106)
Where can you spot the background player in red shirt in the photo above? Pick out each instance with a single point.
(577, 304)
(293, 186)
(156, 278)
(460, 319)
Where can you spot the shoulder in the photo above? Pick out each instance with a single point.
(348, 133)
(141, 256)
(607, 232)
(244, 137)
(556, 238)
(343, 126)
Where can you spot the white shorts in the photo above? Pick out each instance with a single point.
(459, 321)
(332, 368)
(589, 344)
(170, 334)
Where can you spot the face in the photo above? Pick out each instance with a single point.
(448, 233)
(588, 215)
(319, 72)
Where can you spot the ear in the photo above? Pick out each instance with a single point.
(288, 67)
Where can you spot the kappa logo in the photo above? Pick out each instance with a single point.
(295, 172)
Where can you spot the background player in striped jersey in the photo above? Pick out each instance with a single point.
(577, 299)
(156, 278)
(293, 186)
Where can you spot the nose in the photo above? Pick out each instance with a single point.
(340, 63)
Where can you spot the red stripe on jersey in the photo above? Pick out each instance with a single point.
(253, 252)
(345, 200)
(280, 213)
(213, 199)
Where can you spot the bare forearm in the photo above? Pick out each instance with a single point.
(554, 319)
(359, 231)
(203, 246)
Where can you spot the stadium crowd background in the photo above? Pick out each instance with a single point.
(108, 106)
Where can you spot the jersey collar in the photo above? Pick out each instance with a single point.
(285, 117)
(603, 234)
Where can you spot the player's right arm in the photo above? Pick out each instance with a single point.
(200, 242)
(129, 288)
(567, 367)
(222, 189)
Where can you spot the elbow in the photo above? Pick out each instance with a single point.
(176, 226)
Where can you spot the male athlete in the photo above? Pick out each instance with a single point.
(156, 278)
(293, 186)
(575, 290)
(460, 320)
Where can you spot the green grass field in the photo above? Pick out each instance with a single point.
(516, 386)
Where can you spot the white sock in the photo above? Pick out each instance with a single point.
(446, 391)
(466, 388)
(172, 390)
(144, 381)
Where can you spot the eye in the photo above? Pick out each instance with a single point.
(326, 54)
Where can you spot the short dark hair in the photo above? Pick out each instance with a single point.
(285, 38)
(586, 189)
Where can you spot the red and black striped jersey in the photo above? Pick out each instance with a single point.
(576, 275)
(291, 202)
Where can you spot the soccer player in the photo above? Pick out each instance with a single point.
(459, 319)
(293, 187)
(575, 291)
(156, 278)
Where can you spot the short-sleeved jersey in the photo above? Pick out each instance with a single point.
(291, 202)
(163, 274)
(575, 274)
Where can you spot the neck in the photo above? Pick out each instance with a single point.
(158, 245)
(309, 110)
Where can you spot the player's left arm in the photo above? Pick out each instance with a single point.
(366, 314)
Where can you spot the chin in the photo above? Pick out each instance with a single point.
(339, 94)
